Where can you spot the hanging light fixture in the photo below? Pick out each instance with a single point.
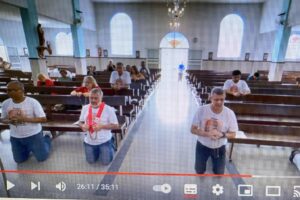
(176, 10)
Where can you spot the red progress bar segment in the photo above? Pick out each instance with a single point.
(124, 173)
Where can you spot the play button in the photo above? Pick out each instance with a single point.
(9, 185)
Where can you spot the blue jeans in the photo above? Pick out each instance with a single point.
(103, 151)
(217, 157)
(37, 144)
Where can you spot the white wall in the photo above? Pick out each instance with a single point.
(150, 24)
(88, 13)
(56, 9)
(294, 17)
(271, 9)
(20, 3)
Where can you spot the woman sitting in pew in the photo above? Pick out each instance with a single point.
(43, 80)
(136, 75)
(88, 84)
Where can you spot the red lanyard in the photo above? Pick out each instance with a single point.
(90, 117)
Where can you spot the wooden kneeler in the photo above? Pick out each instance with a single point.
(4, 178)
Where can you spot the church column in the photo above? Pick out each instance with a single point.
(30, 21)
(280, 45)
(78, 39)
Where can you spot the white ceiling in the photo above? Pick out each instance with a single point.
(164, 1)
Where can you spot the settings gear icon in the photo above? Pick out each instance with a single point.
(217, 189)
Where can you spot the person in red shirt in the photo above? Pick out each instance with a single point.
(88, 84)
(43, 80)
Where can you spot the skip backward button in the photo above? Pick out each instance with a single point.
(9, 185)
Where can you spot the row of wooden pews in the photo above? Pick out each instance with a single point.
(269, 116)
(128, 103)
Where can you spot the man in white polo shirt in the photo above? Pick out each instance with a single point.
(236, 86)
(120, 79)
(98, 119)
(213, 124)
(24, 116)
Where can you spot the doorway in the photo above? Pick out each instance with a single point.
(174, 49)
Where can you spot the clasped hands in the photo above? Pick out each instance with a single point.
(96, 127)
(15, 120)
(214, 134)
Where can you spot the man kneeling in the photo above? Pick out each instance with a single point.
(24, 116)
(97, 119)
(213, 124)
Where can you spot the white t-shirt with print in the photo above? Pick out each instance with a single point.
(240, 86)
(125, 77)
(108, 117)
(30, 108)
(206, 119)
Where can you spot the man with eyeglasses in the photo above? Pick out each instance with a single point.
(24, 116)
(213, 124)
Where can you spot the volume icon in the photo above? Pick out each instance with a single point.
(61, 186)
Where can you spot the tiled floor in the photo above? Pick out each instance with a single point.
(160, 142)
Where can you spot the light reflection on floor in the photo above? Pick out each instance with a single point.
(172, 97)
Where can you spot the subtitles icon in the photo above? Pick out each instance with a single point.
(164, 188)
(296, 191)
(61, 186)
(190, 189)
(245, 190)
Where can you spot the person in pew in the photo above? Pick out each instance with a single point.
(98, 119)
(24, 116)
(120, 79)
(136, 75)
(88, 84)
(110, 67)
(64, 76)
(91, 70)
(4, 65)
(213, 123)
(253, 77)
(43, 80)
(145, 70)
(236, 86)
(295, 158)
(128, 68)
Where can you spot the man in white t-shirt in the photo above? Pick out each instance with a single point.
(213, 124)
(24, 116)
(120, 79)
(236, 86)
(98, 119)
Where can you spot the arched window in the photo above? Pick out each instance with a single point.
(231, 36)
(121, 34)
(293, 49)
(64, 44)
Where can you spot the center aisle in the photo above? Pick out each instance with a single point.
(161, 142)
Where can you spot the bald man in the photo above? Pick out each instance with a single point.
(24, 116)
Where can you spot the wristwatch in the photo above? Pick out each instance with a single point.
(224, 134)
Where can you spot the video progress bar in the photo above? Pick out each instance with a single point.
(123, 173)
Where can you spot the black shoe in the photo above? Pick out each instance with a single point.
(293, 153)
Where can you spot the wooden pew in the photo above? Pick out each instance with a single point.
(267, 124)
(63, 121)
(258, 98)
